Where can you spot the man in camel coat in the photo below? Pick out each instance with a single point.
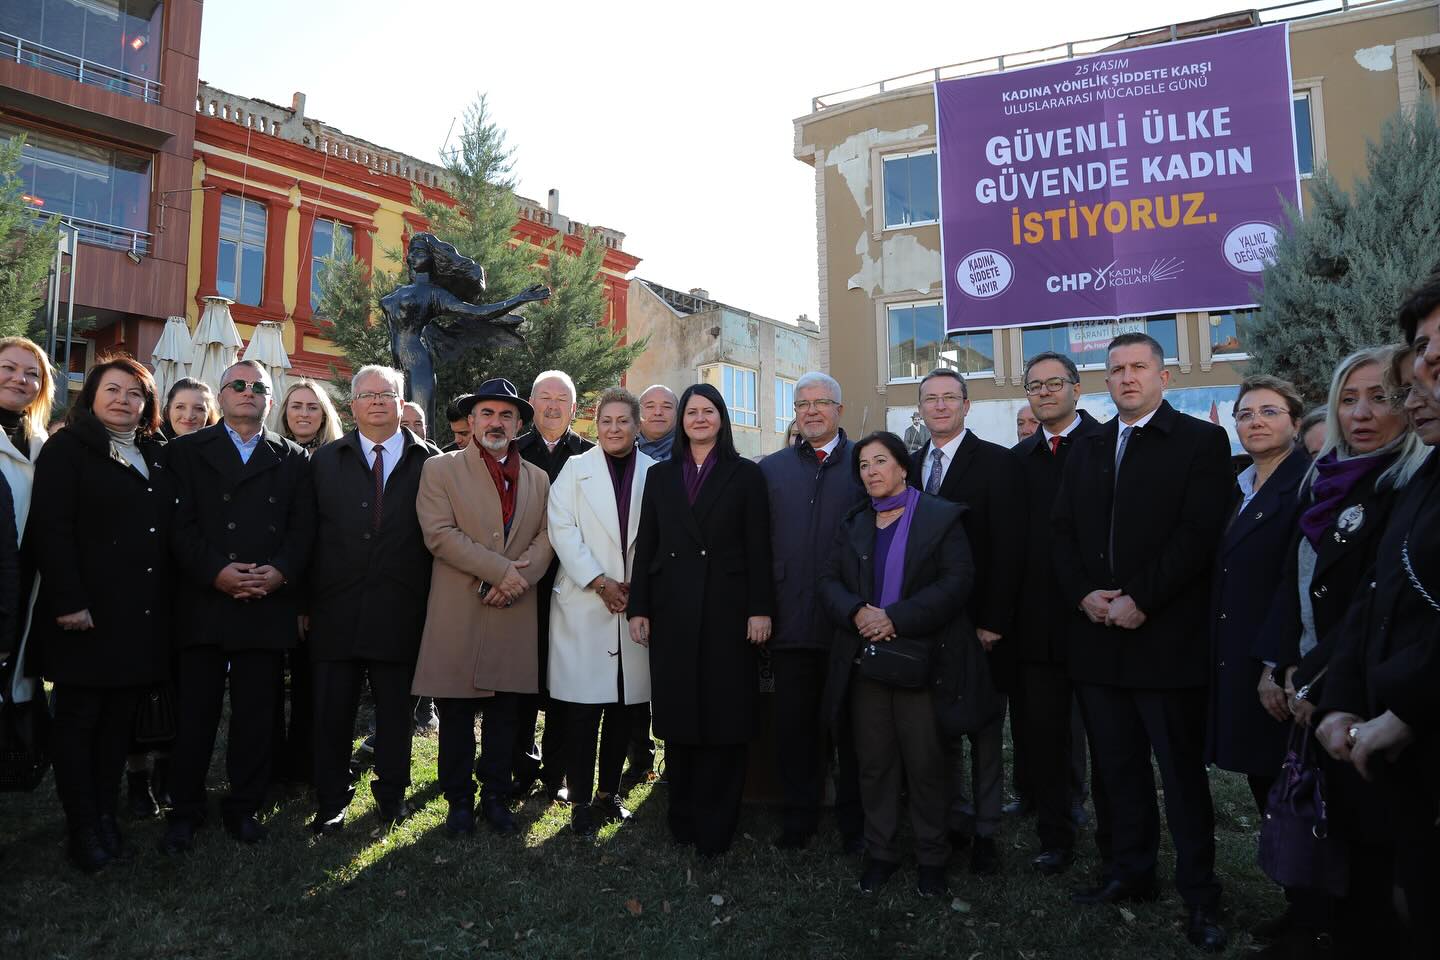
(482, 511)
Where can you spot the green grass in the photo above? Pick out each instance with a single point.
(416, 893)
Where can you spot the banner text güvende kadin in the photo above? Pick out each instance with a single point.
(1142, 181)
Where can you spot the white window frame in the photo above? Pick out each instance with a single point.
(239, 242)
(883, 330)
(784, 412)
(736, 411)
(315, 262)
(1210, 347)
(1180, 345)
(885, 158)
(1311, 87)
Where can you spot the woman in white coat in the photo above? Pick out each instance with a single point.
(596, 670)
(26, 392)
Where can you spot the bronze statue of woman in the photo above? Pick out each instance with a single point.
(435, 315)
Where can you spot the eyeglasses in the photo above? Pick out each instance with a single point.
(1052, 385)
(386, 396)
(822, 405)
(1265, 413)
(258, 387)
(949, 399)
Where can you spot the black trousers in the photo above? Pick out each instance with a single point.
(583, 725)
(707, 782)
(89, 739)
(544, 759)
(295, 736)
(1040, 715)
(457, 765)
(642, 747)
(253, 677)
(802, 747)
(337, 698)
(1126, 726)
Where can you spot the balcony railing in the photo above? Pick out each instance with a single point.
(78, 68)
(100, 234)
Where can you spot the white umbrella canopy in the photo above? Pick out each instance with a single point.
(267, 347)
(171, 356)
(216, 344)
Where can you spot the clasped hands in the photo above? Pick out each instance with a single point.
(248, 581)
(508, 590)
(1113, 608)
(1348, 738)
(615, 593)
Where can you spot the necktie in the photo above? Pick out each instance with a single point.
(377, 471)
(1120, 450)
(1114, 504)
(1055, 445)
(932, 483)
(820, 455)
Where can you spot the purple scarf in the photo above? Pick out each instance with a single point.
(895, 558)
(1333, 483)
(622, 471)
(695, 476)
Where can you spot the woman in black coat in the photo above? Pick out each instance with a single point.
(99, 532)
(701, 599)
(1249, 721)
(899, 573)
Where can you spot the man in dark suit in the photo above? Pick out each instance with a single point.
(368, 585)
(957, 465)
(243, 526)
(1140, 510)
(548, 445)
(1042, 695)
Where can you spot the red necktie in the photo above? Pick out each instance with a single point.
(820, 455)
(377, 470)
(1054, 445)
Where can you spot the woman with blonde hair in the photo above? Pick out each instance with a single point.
(307, 415)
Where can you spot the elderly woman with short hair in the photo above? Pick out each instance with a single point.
(102, 516)
(595, 668)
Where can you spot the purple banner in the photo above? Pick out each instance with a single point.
(1142, 181)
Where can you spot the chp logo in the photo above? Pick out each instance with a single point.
(1112, 275)
(984, 274)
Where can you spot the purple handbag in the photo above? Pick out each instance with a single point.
(1296, 849)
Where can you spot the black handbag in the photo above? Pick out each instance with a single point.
(897, 662)
(155, 716)
(24, 737)
(1296, 849)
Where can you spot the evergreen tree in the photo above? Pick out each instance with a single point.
(27, 250)
(565, 332)
(1340, 274)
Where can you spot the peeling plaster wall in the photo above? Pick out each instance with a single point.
(905, 264)
(1378, 58)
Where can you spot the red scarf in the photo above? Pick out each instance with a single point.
(506, 476)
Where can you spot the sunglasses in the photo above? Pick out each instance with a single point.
(258, 387)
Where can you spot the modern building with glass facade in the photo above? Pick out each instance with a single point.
(877, 217)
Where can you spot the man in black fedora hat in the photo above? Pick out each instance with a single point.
(482, 512)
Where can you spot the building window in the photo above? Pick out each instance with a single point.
(1304, 135)
(1229, 333)
(241, 272)
(1086, 341)
(106, 191)
(918, 344)
(737, 386)
(912, 189)
(123, 35)
(784, 403)
(331, 238)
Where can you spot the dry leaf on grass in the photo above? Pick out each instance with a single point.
(634, 907)
(717, 900)
(466, 924)
(1127, 914)
(959, 906)
(665, 906)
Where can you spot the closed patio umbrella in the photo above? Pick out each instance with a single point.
(216, 343)
(267, 347)
(171, 356)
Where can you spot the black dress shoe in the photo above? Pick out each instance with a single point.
(498, 816)
(1019, 807)
(328, 822)
(245, 829)
(108, 830)
(393, 814)
(1116, 891)
(460, 821)
(1204, 930)
(179, 836)
(985, 858)
(583, 821)
(792, 840)
(86, 851)
(931, 882)
(1054, 861)
(609, 809)
(140, 802)
(876, 873)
